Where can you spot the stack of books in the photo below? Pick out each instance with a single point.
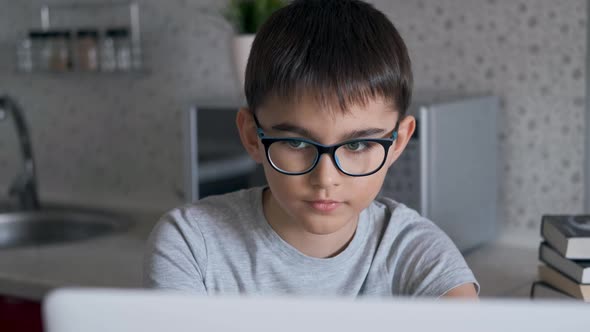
(565, 253)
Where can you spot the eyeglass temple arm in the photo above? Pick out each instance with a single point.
(394, 133)
(259, 130)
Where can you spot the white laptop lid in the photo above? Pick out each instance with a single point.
(98, 310)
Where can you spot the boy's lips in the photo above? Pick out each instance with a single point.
(324, 205)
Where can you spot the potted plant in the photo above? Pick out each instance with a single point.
(246, 17)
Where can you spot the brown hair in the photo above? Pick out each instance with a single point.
(327, 49)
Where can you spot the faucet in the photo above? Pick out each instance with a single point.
(24, 187)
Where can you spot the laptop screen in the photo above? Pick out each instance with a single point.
(94, 310)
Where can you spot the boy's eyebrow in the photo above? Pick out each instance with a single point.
(306, 133)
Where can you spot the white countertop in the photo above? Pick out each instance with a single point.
(504, 269)
(107, 261)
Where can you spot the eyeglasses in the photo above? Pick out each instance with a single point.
(297, 156)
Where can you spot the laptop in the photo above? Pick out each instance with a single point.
(117, 310)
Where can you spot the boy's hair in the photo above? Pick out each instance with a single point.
(343, 51)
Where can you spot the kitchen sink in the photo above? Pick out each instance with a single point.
(57, 225)
(30, 223)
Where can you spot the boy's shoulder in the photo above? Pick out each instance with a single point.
(389, 210)
(396, 219)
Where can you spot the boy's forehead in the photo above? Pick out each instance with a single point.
(327, 125)
(306, 106)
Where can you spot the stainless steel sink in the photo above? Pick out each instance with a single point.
(22, 229)
(44, 225)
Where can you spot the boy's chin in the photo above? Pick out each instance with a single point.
(324, 225)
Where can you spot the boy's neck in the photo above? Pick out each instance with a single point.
(309, 244)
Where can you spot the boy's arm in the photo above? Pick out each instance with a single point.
(429, 264)
(463, 291)
(174, 255)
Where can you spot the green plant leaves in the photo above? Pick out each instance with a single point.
(247, 16)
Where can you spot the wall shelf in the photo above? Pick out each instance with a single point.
(96, 38)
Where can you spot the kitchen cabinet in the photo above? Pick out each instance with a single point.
(21, 315)
(214, 160)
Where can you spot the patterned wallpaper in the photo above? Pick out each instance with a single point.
(532, 55)
(117, 139)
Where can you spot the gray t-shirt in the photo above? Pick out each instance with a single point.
(224, 245)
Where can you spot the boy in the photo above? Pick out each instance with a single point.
(328, 83)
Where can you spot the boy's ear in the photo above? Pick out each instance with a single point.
(406, 129)
(248, 136)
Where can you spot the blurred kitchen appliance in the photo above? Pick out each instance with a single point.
(449, 170)
(215, 161)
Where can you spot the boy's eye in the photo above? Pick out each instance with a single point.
(356, 146)
(297, 144)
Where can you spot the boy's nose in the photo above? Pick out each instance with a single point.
(325, 174)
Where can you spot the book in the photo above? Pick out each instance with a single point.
(563, 283)
(541, 290)
(578, 270)
(568, 234)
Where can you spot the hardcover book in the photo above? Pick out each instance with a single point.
(568, 234)
(563, 283)
(579, 270)
(541, 290)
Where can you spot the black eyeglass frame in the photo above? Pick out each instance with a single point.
(321, 149)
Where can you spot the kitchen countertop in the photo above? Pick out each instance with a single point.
(505, 268)
(113, 260)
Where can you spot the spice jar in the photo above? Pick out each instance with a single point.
(108, 60)
(42, 49)
(60, 56)
(87, 50)
(122, 43)
(24, 54)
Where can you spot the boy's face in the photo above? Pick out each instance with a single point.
(324, 200)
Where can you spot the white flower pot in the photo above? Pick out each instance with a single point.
(241, 45)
